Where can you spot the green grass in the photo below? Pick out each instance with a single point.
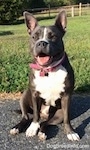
(77, 45)
(14, 50)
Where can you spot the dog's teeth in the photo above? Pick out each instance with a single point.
(14, 131)
(32, 129)
(73, 137)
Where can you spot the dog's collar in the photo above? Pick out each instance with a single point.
(44, 70)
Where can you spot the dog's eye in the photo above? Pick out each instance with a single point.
(35, 36)
(52, 36)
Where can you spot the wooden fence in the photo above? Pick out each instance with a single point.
(72, 10)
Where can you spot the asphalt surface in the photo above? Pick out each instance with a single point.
(80, 120)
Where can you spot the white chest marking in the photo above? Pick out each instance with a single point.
(50, 87)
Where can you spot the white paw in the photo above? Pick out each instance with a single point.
(32, 129)
(73, 137)
(42, 136)
(14, 131)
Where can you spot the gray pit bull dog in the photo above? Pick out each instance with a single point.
(47, 100)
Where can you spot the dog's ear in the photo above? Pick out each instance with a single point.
(30, 21)
(61, 21)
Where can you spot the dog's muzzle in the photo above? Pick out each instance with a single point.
(42, 52)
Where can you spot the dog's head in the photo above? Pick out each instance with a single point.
(46, 41)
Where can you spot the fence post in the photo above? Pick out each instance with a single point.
(80, 6)
(87, 7)
(49, 10)
(72, 11)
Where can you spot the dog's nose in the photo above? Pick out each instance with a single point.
(42, 44)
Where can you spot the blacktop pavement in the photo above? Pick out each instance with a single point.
(57, 140)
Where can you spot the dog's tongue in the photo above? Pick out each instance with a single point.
(43, 60)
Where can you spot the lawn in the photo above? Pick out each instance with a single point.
(14, 50)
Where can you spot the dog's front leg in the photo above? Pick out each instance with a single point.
(65, 103)
(33, 128)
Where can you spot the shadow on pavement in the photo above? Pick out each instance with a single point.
(81, 129)
(80, 105)
(51, 131)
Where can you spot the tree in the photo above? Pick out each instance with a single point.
(36, 3)
(58, 2)
(10, 10)
(82, 1)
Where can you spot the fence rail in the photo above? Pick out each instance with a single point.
(72, 10)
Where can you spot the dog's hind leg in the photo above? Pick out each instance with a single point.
(20, 127)
(27, 114)
(57, 118)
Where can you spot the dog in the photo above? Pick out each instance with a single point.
(47, 100)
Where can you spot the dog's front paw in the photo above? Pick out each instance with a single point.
(14, 131)
(73, 136)
(41, 136)
(32, 129)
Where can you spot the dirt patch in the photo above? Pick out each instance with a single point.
(10, 96)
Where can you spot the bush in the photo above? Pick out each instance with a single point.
(14, 61)
(57, 3)
(14, 73)
(10, 10)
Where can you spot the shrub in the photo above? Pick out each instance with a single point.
(10, 10)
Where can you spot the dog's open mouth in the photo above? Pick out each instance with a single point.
(43, 59)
